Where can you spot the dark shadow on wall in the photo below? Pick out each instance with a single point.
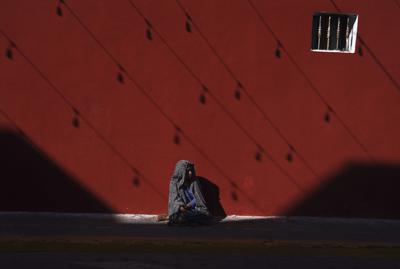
(211, 195)
(30, 181)
(359, 190)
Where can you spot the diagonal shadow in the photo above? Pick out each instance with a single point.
(212, 198)
(32, 182)
(359, 190)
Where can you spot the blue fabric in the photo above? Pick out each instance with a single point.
(190, 197)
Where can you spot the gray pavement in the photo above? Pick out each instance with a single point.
(31, 240)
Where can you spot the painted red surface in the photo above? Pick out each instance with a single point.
(219, 136)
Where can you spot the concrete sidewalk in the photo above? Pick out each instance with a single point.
(77, 241)
(51, 231)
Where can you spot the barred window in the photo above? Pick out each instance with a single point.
(334, 32)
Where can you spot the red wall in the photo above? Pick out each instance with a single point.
(130, 124)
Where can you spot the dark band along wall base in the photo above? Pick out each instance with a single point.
(334, 32)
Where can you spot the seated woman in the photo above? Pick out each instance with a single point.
(186, 204)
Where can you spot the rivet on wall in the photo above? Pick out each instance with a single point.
(290, 154)
(177, 136)
(75, 122)
(238, 90)
(259, 153)
(120, 78)
(327, 116)
(188, 24)
(9, 53)
(278, 50)
(75, 119)
(136, 180)
(202, 97)
(360, 50)
(234, 196)
(149, 33)
(59, 11)
(258, 156)
(120, 75)
(9, 50)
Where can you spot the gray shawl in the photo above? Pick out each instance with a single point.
(176, 185)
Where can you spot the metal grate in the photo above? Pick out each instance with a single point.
(334, 32)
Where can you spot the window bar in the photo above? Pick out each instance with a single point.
(337, 34)
(328, 33)
(319, 32)
(351, 39)
(347, 34)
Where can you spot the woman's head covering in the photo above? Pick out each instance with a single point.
(180, 175)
